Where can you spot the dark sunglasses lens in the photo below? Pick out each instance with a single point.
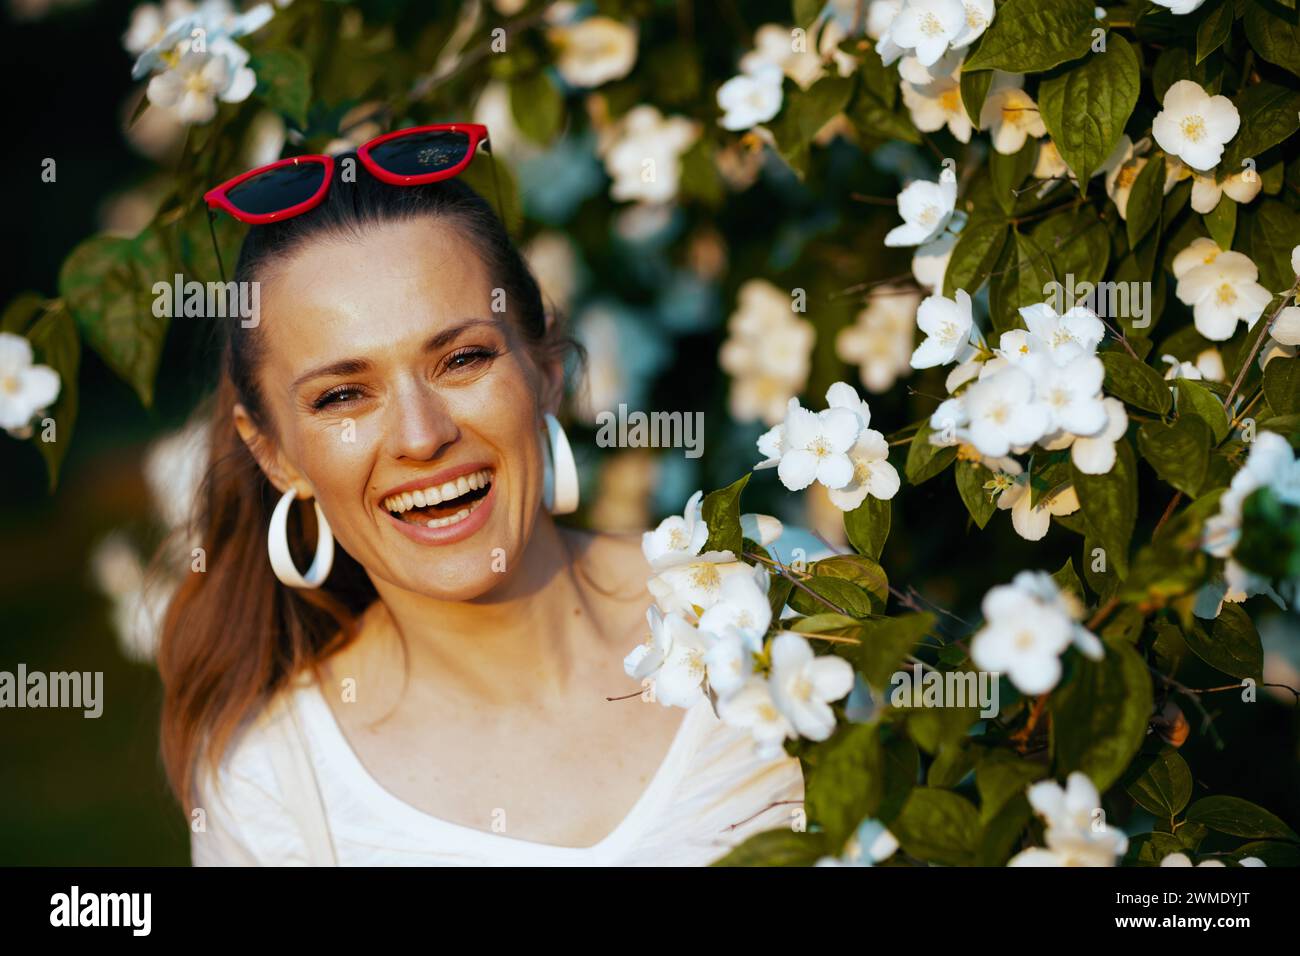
(277, 189)
(421, 153)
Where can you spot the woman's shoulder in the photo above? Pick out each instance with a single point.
(246, 817)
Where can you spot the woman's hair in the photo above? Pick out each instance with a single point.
(233, 635)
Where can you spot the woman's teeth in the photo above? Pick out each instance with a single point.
(443, 496)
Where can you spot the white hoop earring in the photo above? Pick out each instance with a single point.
(560, 488)
(277, 546)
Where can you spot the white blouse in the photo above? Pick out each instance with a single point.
(710, 793)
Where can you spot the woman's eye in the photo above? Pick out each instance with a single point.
(344, 393)
(469, 358)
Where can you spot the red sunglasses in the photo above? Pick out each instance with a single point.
(405, 157)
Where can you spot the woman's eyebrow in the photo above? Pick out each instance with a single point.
(355, 366)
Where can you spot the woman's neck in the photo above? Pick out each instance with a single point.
(520, 641)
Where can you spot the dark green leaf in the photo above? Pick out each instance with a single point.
(847, 783)
(1231, 644)
(721, 514)
(1240, 818)
(867, 526)
(1135, 382)
(1179, 452)
(938, 826)
(1109, 503)
(1028, 36)
(1162, 783)
(284, 82)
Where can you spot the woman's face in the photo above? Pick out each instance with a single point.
(408, 406)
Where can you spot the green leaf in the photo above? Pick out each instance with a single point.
(847, 783)
(1241, 818)
(971, 476)
(974, 256)
(1221, 222)
(1099, 718)
(1086, 106)
(1179, 452)
(1162, 783)
(1035, 271)
(1028, 36)
(1275, 39)
(867, 526)
(1270, 229)
(1007, 172)
(925, 459)
(1144, 202)
(1214, 29)
(1001, 776)
(1268, 116)
(107, 283)
(974, 89)
(1282, 385)
(1135, 382)
(805, 12)
(836, 594)
(860, 570)
(874, 119)
(21, 312)
(1109, 503)
(284, 82)
(537, 106)
(1270, 536)
(938, 826)
(886, 642)
(1068, 581)
(55, 339)
(1193, 398)
(781, 847)
(1231, 645)
(807, 111)
(721, 514)
(1078, 243)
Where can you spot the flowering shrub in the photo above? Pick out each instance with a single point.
(1095, 329)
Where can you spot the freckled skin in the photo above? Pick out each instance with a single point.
(503, 701)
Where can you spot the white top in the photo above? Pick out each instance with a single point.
(711, 792)
(710, 781)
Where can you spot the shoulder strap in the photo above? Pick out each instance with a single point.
(301, 790)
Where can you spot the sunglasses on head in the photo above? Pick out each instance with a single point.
(404, 157)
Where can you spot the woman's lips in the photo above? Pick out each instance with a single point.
(448, 534)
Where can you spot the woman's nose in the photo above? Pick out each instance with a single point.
(420, 424)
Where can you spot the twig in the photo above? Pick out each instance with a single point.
(1259, 342)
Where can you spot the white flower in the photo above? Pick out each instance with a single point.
(695, 586)
(928, 27)
(1066, 337)
(872, 473)
(947, 324)
(1286, 327)
(1021, 640)
(191, 89)
(979, 14)
(930, 261)
(767, 353)
(815, 446)
(1270, 464)
(642, 154)
(879, 342)
(149, 22)
(1076, 834)
(1200, 251)
(933, 96)
(1240, 187)
(677, 540)
(210, 28)
(1003, 412)
(1180, 6)
(672, 657)
(1095, 454)
(729, 661)
(926, 208)
(1010, 114)
(1122, 171)
(1222, 292)
(1182, 859)
(803, 685)
(774, 45)
(742, 604)
(1031, 522)
(25, 389)
(593, 51)
(752, 708)
(1071, 393)
(1195, 126)
(750, 98)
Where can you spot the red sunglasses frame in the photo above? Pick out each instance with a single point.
(217, 197)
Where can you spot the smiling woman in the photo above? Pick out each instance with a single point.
(445, 693)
